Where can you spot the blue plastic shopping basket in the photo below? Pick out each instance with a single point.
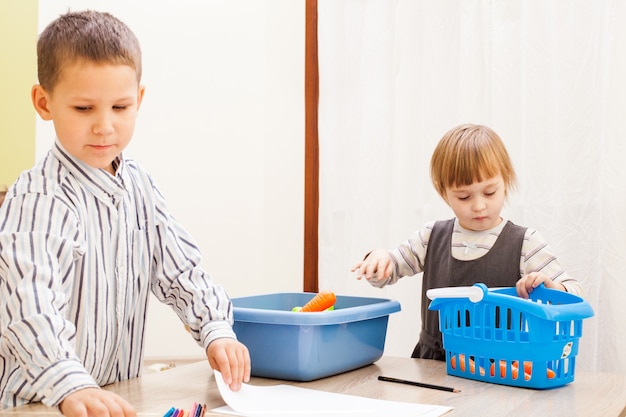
(492, 335)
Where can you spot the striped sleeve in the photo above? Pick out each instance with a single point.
(537, 256)
(180, 282)
(408, 258)
(35, 259)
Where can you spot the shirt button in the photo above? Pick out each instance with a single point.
(47, 392)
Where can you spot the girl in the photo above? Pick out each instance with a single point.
(471, 170)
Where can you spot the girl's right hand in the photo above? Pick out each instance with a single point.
(376, 267)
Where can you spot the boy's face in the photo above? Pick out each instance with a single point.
(93, 108)
(478, 205)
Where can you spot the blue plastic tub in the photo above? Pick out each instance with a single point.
(307, 346)
(492, 335)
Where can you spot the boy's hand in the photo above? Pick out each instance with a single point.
(232, 359)
(96, 402)
(376, 266)
(528, 283)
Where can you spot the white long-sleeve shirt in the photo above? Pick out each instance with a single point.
(536, 256)
(80, 251)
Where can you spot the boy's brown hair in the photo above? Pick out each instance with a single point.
(470, 153)
(89, 36)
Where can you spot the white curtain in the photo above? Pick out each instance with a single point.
(548, 76)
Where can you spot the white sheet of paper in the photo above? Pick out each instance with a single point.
(258, 401)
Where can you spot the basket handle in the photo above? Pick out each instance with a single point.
(475, 293)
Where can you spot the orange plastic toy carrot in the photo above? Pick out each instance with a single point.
(472, 364)
(528, 370)
(320, 302)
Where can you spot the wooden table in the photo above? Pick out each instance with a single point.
(592, 394)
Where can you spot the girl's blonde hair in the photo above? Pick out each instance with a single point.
(470, 153)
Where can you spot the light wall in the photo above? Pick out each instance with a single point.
(221, 129)
(18, 34)
(547, 76)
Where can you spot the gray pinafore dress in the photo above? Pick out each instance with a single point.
(497, 268)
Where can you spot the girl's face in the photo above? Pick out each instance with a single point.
(478, 205)
(94, 108)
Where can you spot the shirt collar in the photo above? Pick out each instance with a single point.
(497, 229)
(98, 181)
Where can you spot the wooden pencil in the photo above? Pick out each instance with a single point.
(417, 384)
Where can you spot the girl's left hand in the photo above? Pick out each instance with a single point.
(529, 282)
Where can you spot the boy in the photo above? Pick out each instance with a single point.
(472, 172)
(85, 236)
